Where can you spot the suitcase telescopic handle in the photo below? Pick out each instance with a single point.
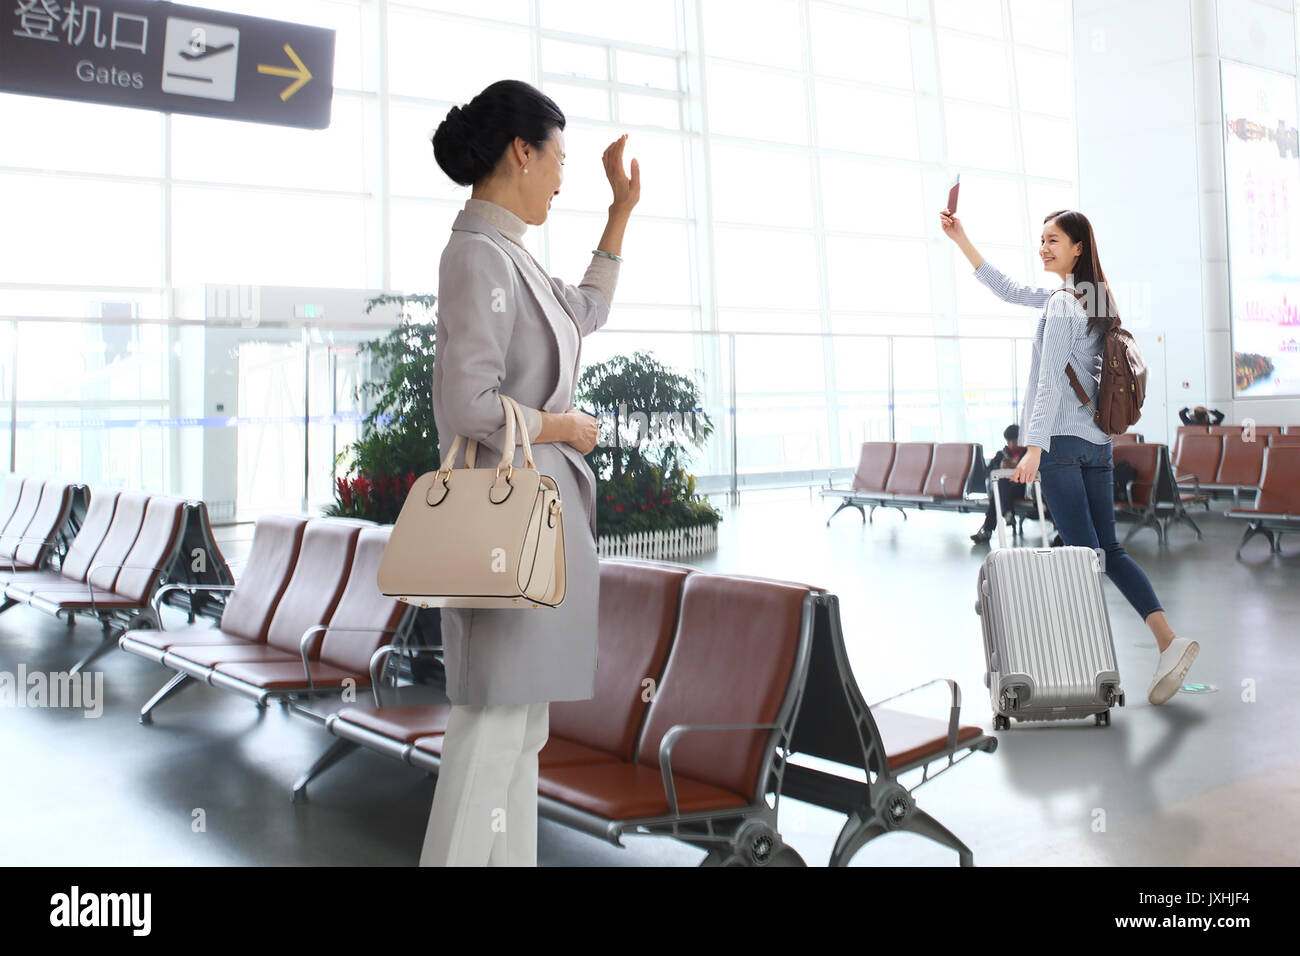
(999, 473)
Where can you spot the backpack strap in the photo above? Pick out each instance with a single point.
(1069, 369)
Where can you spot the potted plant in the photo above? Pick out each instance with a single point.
(646, 502)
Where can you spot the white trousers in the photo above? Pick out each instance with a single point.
(485, 804)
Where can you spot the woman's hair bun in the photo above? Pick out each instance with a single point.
(470, 140)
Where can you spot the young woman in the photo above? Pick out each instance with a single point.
(506, 327)
(1064, 444)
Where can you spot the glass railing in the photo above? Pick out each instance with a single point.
(253, 419)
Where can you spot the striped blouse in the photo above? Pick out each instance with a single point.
(1051, 407)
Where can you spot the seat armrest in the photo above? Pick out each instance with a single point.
(670, 740)
(954, 708)
(47, 539)
(315, 629)
(189, 588)
(121, 567)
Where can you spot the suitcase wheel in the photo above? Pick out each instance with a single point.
(1102, 719)
(1001, 723)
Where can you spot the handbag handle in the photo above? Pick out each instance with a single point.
(513, 414)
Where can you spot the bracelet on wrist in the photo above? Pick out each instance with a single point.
(607, 255)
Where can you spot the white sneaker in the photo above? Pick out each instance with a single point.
(1175, 661)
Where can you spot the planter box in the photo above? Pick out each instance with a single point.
(670, 543)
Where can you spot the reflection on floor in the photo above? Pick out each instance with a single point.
(1209, 778)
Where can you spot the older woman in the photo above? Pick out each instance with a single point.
(506, 327)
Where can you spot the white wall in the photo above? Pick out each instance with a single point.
(1149, 110)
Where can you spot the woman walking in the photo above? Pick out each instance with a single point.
(505, 327)
(1064, 444)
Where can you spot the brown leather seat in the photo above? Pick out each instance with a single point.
(13, 491)
(1224, 429)
(1279, 484)
(912, 739)
(186, 635)
(282, 675)
(1199, 457)
(1184, 430)
(737, 633)
(38, 538)
(81, 552)
(1242, 462)
(1290, 438)
(403, 723)
(128, 516)
(628, 791)
(29, 500)
(247, 615)
(360, 620)
(1128, 438)
(131, 580)
(1145, 458)
(911, 468)
(313, 592)
(556, 752)
(874, 464)
(637, 617)
(949, 470)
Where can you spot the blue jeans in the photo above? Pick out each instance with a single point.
(1079, 489)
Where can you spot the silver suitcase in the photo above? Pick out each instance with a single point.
(1047, 639)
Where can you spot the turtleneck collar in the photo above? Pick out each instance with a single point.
(499, 218)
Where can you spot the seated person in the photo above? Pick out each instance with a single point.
(1200, 415)
(1009, 491)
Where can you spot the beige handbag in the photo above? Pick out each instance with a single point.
(479, 537)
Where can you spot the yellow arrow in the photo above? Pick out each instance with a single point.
(301, 75)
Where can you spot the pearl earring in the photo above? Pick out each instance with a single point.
(525, 169)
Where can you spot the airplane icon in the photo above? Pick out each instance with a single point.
(207, 51)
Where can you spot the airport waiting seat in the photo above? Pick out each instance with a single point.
(37, 519)
(945, 476)
(1187, 430)
(115, 576)
(304, 618)
(696, 753)
(1277, 507)
(1128, 438)
(1153, 499)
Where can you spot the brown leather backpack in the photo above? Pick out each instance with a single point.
(1123, 385)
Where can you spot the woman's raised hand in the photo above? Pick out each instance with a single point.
(627, 189)
(951, 226)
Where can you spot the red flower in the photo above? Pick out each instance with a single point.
(609, 497)
(410, 479)
(618, 508)
(644, 507)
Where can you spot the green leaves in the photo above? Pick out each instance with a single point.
(641, 484)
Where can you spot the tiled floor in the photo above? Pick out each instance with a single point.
(1206, 778)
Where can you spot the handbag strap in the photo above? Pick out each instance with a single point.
(513, 414)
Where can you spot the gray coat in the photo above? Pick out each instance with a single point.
(498, 331)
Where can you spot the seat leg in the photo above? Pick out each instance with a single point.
(872, 514)
(180, 680)
(1253, 529)
(920, 822)
(1184, 516)
(107, 641)
(337, 751)
(846, 504)
(857, 831)
(7, 604)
